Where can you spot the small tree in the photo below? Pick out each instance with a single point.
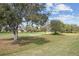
(56, 25)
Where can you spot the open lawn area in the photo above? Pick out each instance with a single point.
(40, 44)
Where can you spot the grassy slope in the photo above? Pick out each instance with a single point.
(66, 44)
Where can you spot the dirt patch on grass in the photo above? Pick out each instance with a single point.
(6, 43)
(7, 46)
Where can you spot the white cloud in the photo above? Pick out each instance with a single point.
(64, 17)
(68, 19)
(63, 7)
(48, 4)
(55, 8)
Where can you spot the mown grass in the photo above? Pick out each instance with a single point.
(43, 45)
(5, 35)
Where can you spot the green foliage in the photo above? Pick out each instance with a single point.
(12, 15)
(71, 28)
(56, 25)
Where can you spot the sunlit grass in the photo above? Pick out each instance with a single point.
(66, 44)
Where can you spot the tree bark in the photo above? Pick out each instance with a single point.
(15, 36)
(27, 23)
(55, 32)
(32, 24)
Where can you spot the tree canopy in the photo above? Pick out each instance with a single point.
(56, 25)
(12, 15)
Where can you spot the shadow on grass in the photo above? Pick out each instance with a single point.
(35, 40)
(56, 34)
(27, 40)
(22, 41)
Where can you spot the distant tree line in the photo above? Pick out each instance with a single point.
(54, 26)
(59, 26)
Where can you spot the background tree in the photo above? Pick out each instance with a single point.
(56, 26)
(70, 28)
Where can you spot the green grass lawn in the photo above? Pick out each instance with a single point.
(23, 34)
(41, 44)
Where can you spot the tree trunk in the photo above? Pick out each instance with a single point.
(15, 36)
(55, 32)
(27, 23)
(32, 24)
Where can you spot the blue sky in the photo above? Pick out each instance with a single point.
(66, 12)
